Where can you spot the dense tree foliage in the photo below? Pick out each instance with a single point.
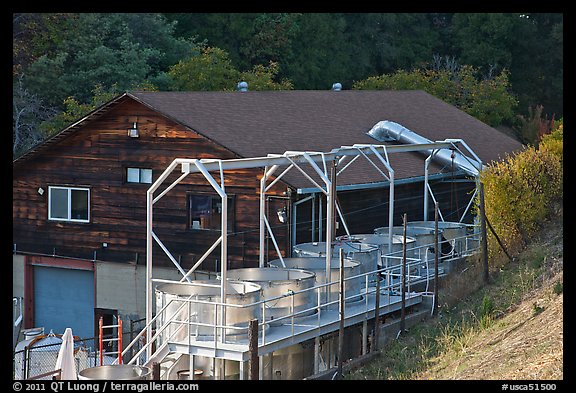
(76, 52)
(62, 62)
(530, 46)
(212, 69)
(486, 98)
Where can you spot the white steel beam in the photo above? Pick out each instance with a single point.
(262, 215)
(274, 161)
(298, 158)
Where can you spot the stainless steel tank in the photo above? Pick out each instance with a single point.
(317, 265)
(290, 363)
(277, 282)
(424, 239)
(382, 242)
(453, 232)
(216, 369)
(116, 372)
(367, 255)
(203, 309)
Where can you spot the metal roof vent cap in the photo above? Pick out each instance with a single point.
(242, 86)
(337, 86)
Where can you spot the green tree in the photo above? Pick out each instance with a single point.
(73, 109)
(212, 70)
(61, 55)
(489, 100)
(529, 45)
(319, 57)
(262, 77)
(228, 31)
(109, 49)
(27, 112)
(34, 35)
(522, 190)
(271, 38)
(209, 70)
(484, 39)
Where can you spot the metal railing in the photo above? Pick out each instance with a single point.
(390, 274)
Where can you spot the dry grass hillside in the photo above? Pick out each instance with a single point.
(526, 343)
(510, 329)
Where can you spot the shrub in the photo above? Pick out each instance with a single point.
(521, 190)
(554, 142)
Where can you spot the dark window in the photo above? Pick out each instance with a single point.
(205, 212)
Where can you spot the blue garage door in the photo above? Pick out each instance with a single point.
(64, 298)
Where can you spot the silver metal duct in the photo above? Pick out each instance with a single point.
(389, 131)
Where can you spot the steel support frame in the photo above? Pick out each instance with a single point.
(289, 159)
(373, 149)
(476, 163)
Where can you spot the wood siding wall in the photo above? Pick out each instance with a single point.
(96, 156)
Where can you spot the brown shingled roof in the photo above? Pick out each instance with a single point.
(256, 123)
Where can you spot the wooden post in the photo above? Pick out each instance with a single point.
(119, 341)
(155, 371)
(483, 234)
(376, 316)
(341, 328)
(436, 256)
(253, 361)
(100, 338)
(403, 309)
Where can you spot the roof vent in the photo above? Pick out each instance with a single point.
(337, 86)
(242, 86)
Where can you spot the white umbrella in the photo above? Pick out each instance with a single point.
(65, 360)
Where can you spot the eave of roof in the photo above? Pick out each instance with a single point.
(215, 116)
(179, 121)
(71, 128)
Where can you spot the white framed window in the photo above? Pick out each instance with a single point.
(69, 204)
(139, 175)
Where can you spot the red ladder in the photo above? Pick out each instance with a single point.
(102, 339)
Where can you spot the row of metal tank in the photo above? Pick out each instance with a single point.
(285, 277)
(286, 286)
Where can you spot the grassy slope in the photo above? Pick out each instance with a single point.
(523, 344)
(511, 328)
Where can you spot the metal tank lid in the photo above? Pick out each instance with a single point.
(269, 274)
(208, 287)
(347, 245)
(376, 239)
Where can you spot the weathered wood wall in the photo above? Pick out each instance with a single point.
(96, 156)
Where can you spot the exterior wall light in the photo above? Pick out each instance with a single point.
(133, 132)
(282, 216)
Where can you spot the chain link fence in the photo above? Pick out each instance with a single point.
(31, 360)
